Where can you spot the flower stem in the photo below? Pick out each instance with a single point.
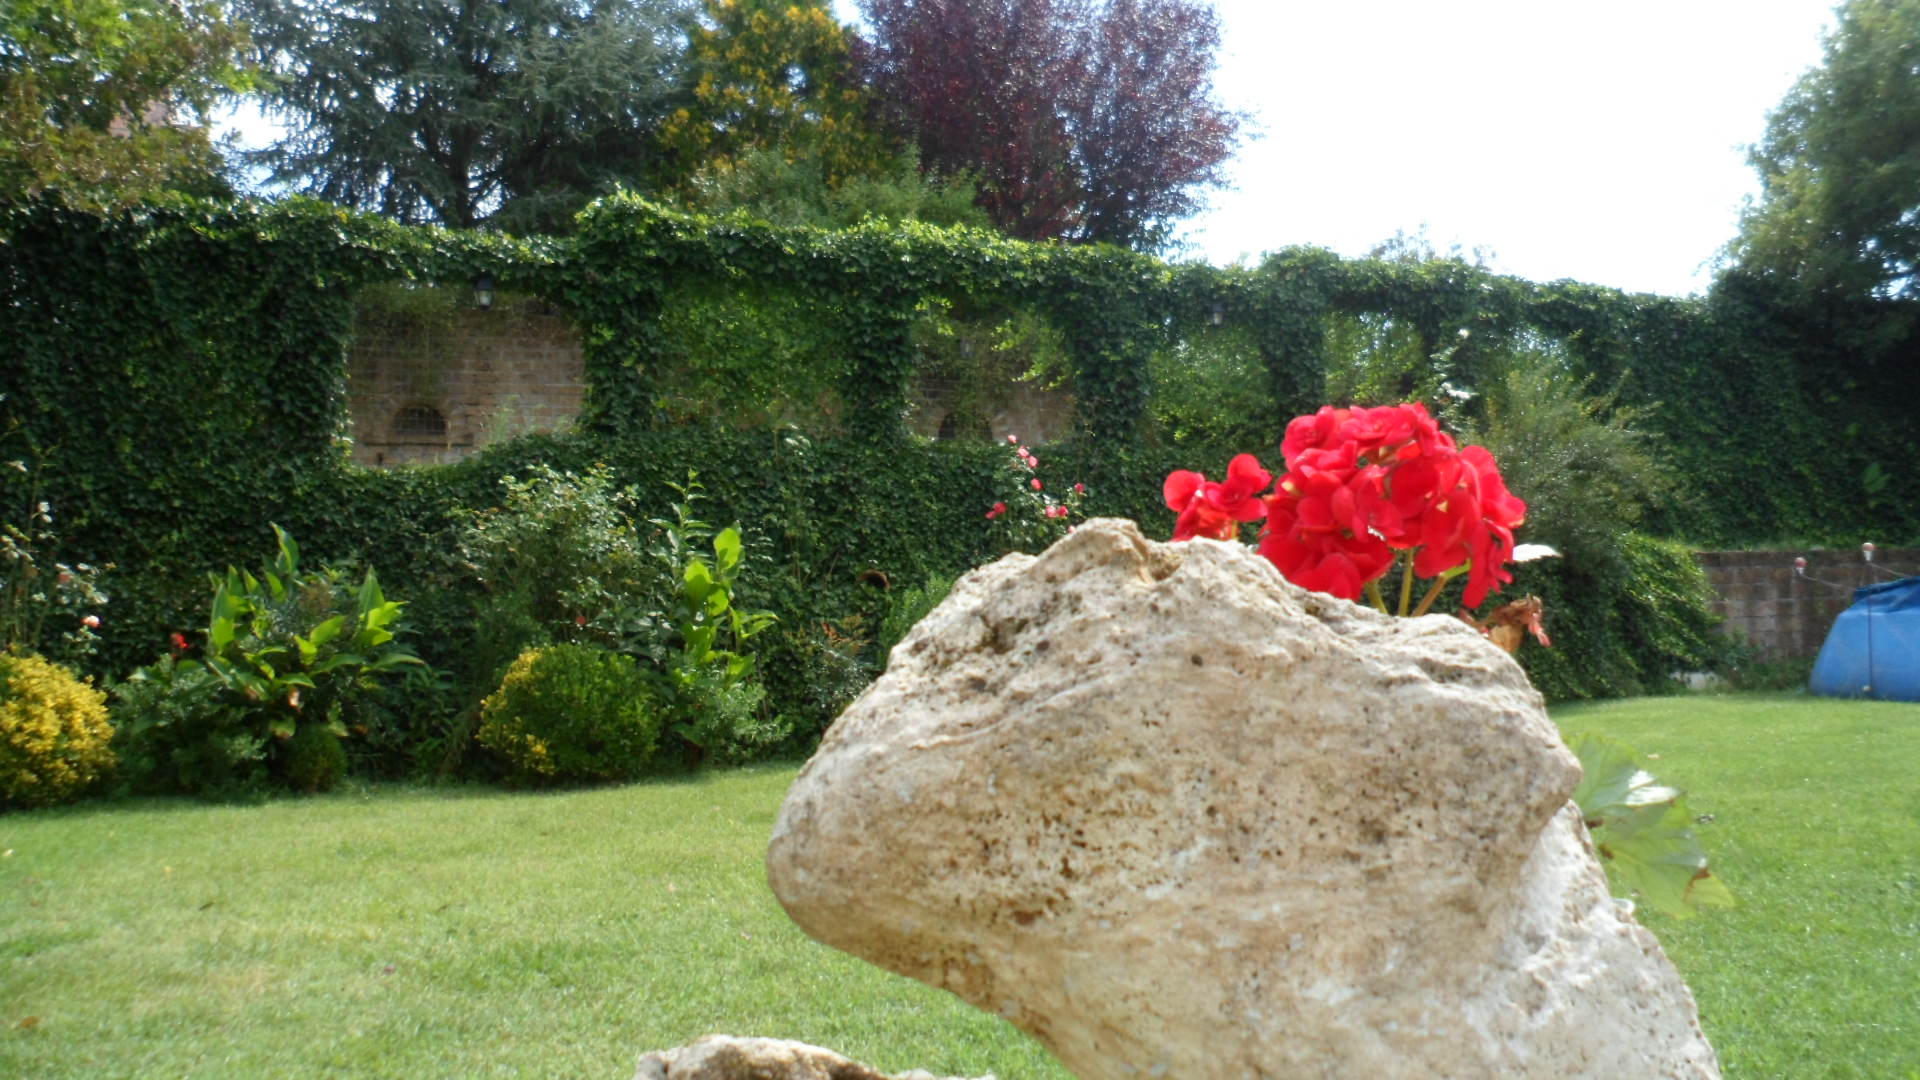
(1440, 583)
(1373, 595)
(1406, 584)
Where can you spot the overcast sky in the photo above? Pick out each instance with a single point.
(1597, 141)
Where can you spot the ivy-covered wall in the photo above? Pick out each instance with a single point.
(173, 378)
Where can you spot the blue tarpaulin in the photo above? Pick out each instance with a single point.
(1873, 650)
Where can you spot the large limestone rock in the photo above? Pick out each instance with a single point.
(1176, 817)
(725, 1057)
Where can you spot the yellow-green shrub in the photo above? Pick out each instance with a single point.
(54, 735)
(572, 713)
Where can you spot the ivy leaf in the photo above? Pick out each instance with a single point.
(1643, 827)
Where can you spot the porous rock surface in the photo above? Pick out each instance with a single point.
(725, 1057)
(1178, 818)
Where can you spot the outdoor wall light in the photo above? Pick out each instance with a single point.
(483, 291)
(1218, 315)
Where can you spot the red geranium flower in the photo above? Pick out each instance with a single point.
(1214, 510)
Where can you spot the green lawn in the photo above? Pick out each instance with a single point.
(417, 933)
(1815, 826)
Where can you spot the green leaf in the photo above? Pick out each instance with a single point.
(281, 727)
(1644, 828)
(371, 599)
(727, 550)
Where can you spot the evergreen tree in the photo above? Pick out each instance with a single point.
(509, 112)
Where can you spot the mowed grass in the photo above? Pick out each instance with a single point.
(416, 933)
(1815, 825)
(423, 933)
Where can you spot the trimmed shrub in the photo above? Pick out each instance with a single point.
(572, 713)
(54, 735)
(313, 760)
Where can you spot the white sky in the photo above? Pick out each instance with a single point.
(1597, 141)
(1602, 142)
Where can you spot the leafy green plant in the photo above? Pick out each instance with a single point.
(1644, 828)
(256, 646)
(716, 698)
(54, 734)
(287, 650)
(573, 713)
(179, 731)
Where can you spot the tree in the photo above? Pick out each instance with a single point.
(775, 75)
(1089, 120)
(102, 100)
(1839, 207)
(508, 112)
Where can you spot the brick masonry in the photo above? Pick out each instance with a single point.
(431, 389)
(1787, 616)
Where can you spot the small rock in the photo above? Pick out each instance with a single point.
(726, 1057)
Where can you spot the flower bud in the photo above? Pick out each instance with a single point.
(91, 622)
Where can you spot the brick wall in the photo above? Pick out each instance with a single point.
(433, 388)
(1787, 616)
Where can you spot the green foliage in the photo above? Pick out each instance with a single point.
(104, 102)
(561, 560)
(1624, 627)
(513, 113)
(46, 607)
(54, 734)
(774, 76)
(313, 760)
(1839, 207)
(1028, 516)
(572, 713)
(1587, 473)
(906, 607)
(792, 188)
(285, 650)
(178, 731)
(1645, 828)
(290, 648)
(224, 327)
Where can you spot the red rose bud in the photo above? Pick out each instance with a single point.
(1036, 483)
(1079, 489)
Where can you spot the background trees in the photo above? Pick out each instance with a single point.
(1839, 209)
(1084, 119)
(510, 112)
(102, 100)
(771, 75)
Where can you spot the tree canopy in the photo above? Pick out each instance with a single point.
(774, 75)
(103, 100)
(509, 112)
(1088, 120)
(1839, 208)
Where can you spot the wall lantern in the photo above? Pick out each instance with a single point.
(1219, 313)
(483, 291)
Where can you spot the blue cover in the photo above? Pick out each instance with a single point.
(1873, 649)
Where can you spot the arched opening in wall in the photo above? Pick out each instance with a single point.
(433, 376)
(986, 367)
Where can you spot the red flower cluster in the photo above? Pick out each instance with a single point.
(1361, 486)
